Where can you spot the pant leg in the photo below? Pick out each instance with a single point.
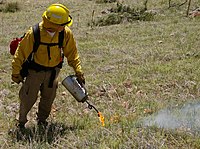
(47, 96)
(28, 94)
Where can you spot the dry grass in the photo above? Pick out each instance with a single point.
(129, 68)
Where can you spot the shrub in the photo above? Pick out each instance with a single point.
(11, 7)
(123, 13)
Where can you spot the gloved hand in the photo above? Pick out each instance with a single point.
(80, 78)
(17, 78)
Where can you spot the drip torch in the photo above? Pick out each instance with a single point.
(79, 92)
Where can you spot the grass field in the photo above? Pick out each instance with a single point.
(132, 69)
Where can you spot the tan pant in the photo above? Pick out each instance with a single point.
(35, 82)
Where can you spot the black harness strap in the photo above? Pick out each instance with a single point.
(60, 39)
(60, 45)
(48, 50)
(36, 32)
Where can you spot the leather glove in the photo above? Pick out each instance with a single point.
(80, 79)
(17, 78)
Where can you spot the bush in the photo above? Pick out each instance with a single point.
(123, 13)
(111, 19)
(11, 7)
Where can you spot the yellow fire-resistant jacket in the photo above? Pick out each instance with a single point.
(41, 55)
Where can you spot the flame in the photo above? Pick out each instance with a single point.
(101, 118)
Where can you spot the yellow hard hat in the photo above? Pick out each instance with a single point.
(58, 14)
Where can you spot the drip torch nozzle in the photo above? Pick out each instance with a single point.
(91, 106)
(101, 118)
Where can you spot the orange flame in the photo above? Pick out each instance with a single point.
(101, 118)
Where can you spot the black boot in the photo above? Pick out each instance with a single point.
(42, 123)
(21, 125)
(21, 131)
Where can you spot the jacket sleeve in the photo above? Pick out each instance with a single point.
(22, 52)
(71, 52)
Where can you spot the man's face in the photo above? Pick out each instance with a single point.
(60, 28)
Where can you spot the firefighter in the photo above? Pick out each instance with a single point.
(45, 66)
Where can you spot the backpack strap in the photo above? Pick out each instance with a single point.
(37, 42)
(36, 33)
(60, 39)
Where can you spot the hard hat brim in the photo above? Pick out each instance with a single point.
(68, 23)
